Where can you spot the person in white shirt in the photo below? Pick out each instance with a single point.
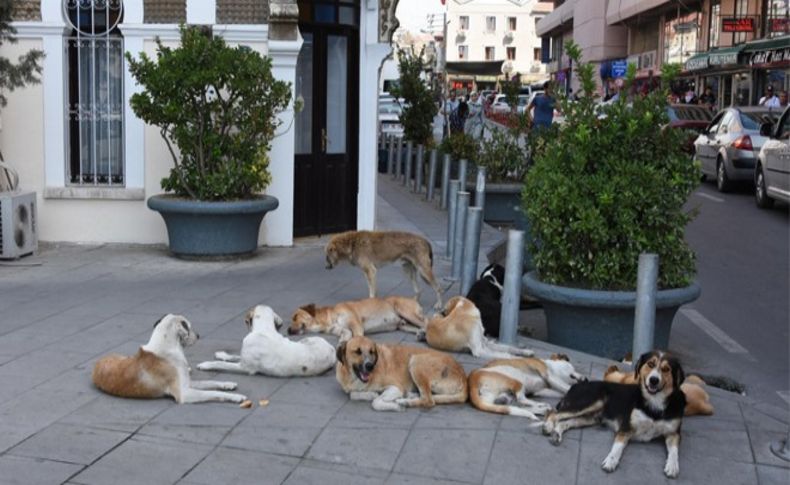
(770, 100)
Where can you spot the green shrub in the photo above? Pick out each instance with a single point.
(419, 109)
(610, 184)
(504, 156)
(219, 106)
(461, 146)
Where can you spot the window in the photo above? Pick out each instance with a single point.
(491, 24)
(463, 52)
(95, 104)
(681, 37)
(490, 53)
(536, 54)
(714, 25)
(463, 22)
(778, 18)
(511, 53)
(511, 24)
(741, 11)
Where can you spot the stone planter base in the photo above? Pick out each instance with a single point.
(200, 229)
(602, 322)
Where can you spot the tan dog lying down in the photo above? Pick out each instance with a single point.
(697, 400)
(460, 328)
(388, 375)
(369, 250)
(357, 318)
(502, 386)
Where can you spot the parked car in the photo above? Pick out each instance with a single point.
(500, 104)
(772, 173)
(523, 102)
(727, 149)
(692, 117)
(389, 116)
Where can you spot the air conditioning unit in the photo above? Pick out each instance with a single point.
(509, 35)
(18, 231)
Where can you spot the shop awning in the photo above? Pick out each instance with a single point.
(768, 44)
(721, 57)
(697, 62)
(559, 16)
(768, 51)
(475, 68)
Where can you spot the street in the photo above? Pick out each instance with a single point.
(739, 326)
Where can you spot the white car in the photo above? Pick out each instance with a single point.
(500, 104)
(389, 116)
(772, 170)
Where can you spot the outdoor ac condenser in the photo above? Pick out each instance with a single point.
(18, 233)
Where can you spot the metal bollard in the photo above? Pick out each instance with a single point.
(460, 227)
(474, 219)
(454, 185)
(446, 162)
(407, 169)
(511, 293)
(431, 176)
(480, 188)
(462, 165)
(398, 157)
(418, 168)
(390, 154)
(645, 319)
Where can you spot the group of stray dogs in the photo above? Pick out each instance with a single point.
(646, 404)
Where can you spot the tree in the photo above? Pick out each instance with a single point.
(419, 110)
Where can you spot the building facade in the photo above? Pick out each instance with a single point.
(735, 47)
(75, 141)
(496, 30)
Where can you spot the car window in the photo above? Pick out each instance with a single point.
(783, 133)
(714, 126)
(725, 123)
(752, 121)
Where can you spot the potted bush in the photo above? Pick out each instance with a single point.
(216, 108)
(609, 185)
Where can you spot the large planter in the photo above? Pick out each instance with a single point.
(602, 322)
(200, 229)
(503, 201)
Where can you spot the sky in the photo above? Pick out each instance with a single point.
(412, 14)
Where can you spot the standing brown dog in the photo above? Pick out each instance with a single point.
(370, 249)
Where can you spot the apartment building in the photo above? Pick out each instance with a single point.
(735, 47)
(496, 30)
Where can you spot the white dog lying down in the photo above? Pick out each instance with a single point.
(267, 352)
(160, 369)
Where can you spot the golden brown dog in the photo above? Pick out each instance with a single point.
(355, 318)
(388, 375)
(371, 249)
(697, 400)
(495, 386)
(460, 328)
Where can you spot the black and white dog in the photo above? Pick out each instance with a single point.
(486, 294)
(650, 409)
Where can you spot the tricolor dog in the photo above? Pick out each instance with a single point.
(160, 369)
(697, 399)
(486, 294)
(388, 375)
(265, 351)
(355, 318)
(459, 328)
(651, 409)
(503, 386)
(369, 250)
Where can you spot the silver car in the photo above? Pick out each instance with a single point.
(727, 149)
(772, 174)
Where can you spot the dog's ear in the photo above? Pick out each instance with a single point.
(642, 361)
(309, 308)
(340, 353)
(678, 376)
(160, 320)
(560, 357)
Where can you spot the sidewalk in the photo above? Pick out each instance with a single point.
(82, 302)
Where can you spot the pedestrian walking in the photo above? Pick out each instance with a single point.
(543, 107)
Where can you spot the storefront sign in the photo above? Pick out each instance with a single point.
(722, 59)
(744, 24)
(769, 57)
(697, 63)
(619, 68)
(779, 25)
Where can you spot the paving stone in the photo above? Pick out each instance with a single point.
(769, 475)
(457, 416)
(229, 466)
(318, 390)
(517, 456)
(16, 470)
(400, 479)
(142, 460)
(722, 444)
(68, 443)
(445, 454)
(290, 441)
(114, 413)
(313, 476)
(360, 414)
(294, 415)
(360, 448)
(761, 441)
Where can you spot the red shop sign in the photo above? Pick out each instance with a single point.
(779, 25)
(745, 24)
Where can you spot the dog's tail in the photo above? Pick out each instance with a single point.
(723, 382)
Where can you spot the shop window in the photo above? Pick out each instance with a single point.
(511, 53)
(777, 18)
(490, 53)
(95, 102)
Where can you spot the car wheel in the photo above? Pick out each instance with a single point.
(723, 182)
(760, 195)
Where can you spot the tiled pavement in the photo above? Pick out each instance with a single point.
(82, 302)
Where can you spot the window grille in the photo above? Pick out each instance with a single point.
(95, 102)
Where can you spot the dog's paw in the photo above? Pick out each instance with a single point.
(222, 355)
(542, 408)
(547, 428)
(227, 386)
(203, 366)
(610, 463)
(671, 469)
(237, 398)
